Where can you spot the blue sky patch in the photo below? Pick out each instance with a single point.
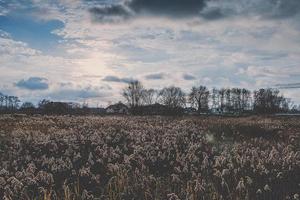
(37, 34)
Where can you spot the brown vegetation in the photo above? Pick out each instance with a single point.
(48, 157)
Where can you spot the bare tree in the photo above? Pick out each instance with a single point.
(1, 101)
(149, 96)
(215, 99)
(236, 99)
(228, 98)
(199, 98)
(222, 99)
(6, 100)
(246, 99)
(133, 93)
(8, 103)
(172, 97)
(27, 107)
(286, 104)
(15, 102)
(269, 101)
(42, 104)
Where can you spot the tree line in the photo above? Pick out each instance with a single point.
(202, 100)
(8, 103)
(12, 104)
(169, 100)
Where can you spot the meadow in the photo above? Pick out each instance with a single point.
(142, 157)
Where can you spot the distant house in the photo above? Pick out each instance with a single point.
(190, 111)
(118, 108)
(215, 111)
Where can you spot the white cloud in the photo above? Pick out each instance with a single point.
(245, 50)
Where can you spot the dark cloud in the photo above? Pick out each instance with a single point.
(68, 91)
(117, 79)
(212, 14)
(126, 9)
(285, 8)
(275, 9)
(177, 8)
(207, 9)
(33, 83)
(71, 94)
(288, 86)
(110, 13)
(188, 77)
(156, 76)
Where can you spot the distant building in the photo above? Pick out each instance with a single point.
(216, 111)
(118, 108)
(190, 111)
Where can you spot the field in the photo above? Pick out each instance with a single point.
(115, 157)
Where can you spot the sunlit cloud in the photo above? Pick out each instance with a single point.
(96, 43)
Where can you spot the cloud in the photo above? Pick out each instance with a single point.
(37, 34)
(207, 9)
(188, 77)
(33, 83)
(72, 94)
(288, 86)
(275, 9)
(177, 8)
(69, 91)
(126, 9)
(117, 79)
(224, 38)
(110, 13)
(285, 8)
(273, 72)
(12, 47)
(155, 76)
(140, 53)
(212, 13)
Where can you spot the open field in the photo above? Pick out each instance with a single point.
(115, 157)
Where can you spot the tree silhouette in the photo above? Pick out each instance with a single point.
(133, 93)
(199, 97)
(172, 97)
(149, 96)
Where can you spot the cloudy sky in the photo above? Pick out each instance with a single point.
(87, 50)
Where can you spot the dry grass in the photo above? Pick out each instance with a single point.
(72, 158)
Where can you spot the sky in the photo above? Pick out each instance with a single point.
(86, 51)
